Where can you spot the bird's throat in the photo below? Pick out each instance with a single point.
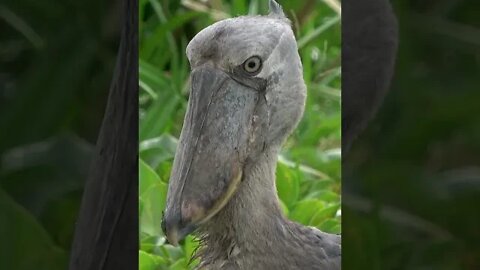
(252, 219)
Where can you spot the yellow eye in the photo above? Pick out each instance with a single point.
(252, 64)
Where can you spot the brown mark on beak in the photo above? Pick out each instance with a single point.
(211, 152)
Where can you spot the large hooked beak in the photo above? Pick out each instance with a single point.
(211, 152)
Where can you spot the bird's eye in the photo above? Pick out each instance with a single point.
(252, 65)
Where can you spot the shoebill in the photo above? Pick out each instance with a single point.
(247, 95)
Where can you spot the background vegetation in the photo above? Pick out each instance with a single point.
(56, 63)
(308, 175)
(412, 181)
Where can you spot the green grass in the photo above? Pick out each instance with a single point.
(308, 173)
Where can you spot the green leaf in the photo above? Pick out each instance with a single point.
(318, 31)
(323, 195)
(153, 194)
(287, 185)
(179, 265)
(152, 243)
(148, 177)
(149, 261)
(304, 210)
(159, 149)
(323, 214)
(174, 252)
(330, 226)
(157, 119)
(154, 199)
(25, 244)
(189, 246)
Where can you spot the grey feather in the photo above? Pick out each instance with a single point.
(276, 9)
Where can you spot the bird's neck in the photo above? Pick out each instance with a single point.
(252, 219)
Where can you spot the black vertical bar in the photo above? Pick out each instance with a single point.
(106, 234)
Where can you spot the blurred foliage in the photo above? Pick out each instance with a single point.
(412, 180)
(308, 173)
(56, 60)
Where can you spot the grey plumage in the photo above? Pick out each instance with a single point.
(275, 8)
(222, 185)
(251, 232)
